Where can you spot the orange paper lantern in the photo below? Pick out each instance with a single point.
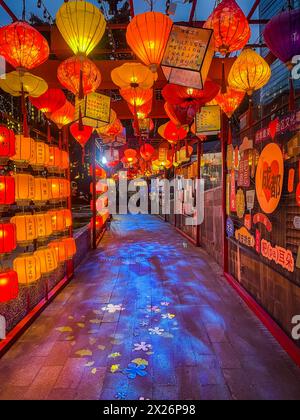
(26, 229)
(230, 101)
(28, 268)
(64, 115)
(48, 259)
(51, 101)
(70, 247)
(23, 46)
(25, 189)
(136, 97)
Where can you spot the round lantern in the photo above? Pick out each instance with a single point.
(230, 101)
(25, 151)
(60, 249)
(64, 115)
(52, 100)
(171, 133)
(230, 25)
(48, 259)
(249, 72)
(147, 151)
(7, 190)
(28, 268)
(81, 24)
(41, 191)
(8, 241)
(133, 75)
(58, 220)
(54, 159)
(180, 116)
(25, 189)
(81, 134)
(26, 229)
(68, 217)
(22, 46)
(9, 287)
(141, 112)
(79, 75)
(100, 172)
(111, 130)
(136, 97)
(70, 247)
(41, 156)
(130, 155)
(43, 225)
(16, 84)
(147, 35)
(7, 144)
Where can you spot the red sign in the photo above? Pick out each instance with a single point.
(280, 256)
(244, 171)
(290, 122)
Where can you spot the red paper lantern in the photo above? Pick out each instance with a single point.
(172, 133)
(7, 143)
(7, 190)
(81, 134)
(8, 242)
(187, 97)
(180, 116)
(9, 287)
(100, 172)
(49, 102)
(147, 151)
(143, 111)
(130, 154)
(63, 116)
(230, 101)
(231, 27)
(136, 97)
(113, 163)
(79, 75)
(23, 46)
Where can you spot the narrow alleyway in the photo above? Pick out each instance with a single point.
(147, 317)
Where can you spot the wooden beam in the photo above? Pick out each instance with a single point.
(193, 11)
(253, 9)
(131, 8)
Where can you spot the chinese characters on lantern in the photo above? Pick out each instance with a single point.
(280, 256)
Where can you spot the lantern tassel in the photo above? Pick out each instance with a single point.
(230, 134)
(60, 140)
(83, 156)
(80, 122)
(81, 93)
(224, 85)
(250, 112)
(292, 103)
(49, 138)
(186, 148)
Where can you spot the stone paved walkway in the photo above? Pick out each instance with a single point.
(147, 317)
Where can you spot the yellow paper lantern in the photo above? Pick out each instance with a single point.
(60, 249)
(32, 85)
(24, 189)
(58, 220)
(133, 75)
(25, 151)
(54, 159)
(48, 259)
(41, 191)
(81, 24)
(70, 247)
(249, 72)
(28, 268)
(43, 225)
(26, 229)
(54, 189)
(147, 35)
(68, 218)
(41, 156)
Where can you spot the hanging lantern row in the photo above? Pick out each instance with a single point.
(40, 226)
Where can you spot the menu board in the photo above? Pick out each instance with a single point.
(188, 56)
(94, 107)
(208, 121)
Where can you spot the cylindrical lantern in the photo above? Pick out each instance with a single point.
(65, 188)
(8, 242)
(43, 225)
(65, 160)
(7, 190)
(54, 159)
(58, 220)
(41, 156)
(60, 249)
(9, 287)
(41, 191)
(28, 268)
(70, 247)
(26, 229)
(68, 217)
(48, 259)
(25, 189)
(25, 151)
(54, 189)
(7, 144)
